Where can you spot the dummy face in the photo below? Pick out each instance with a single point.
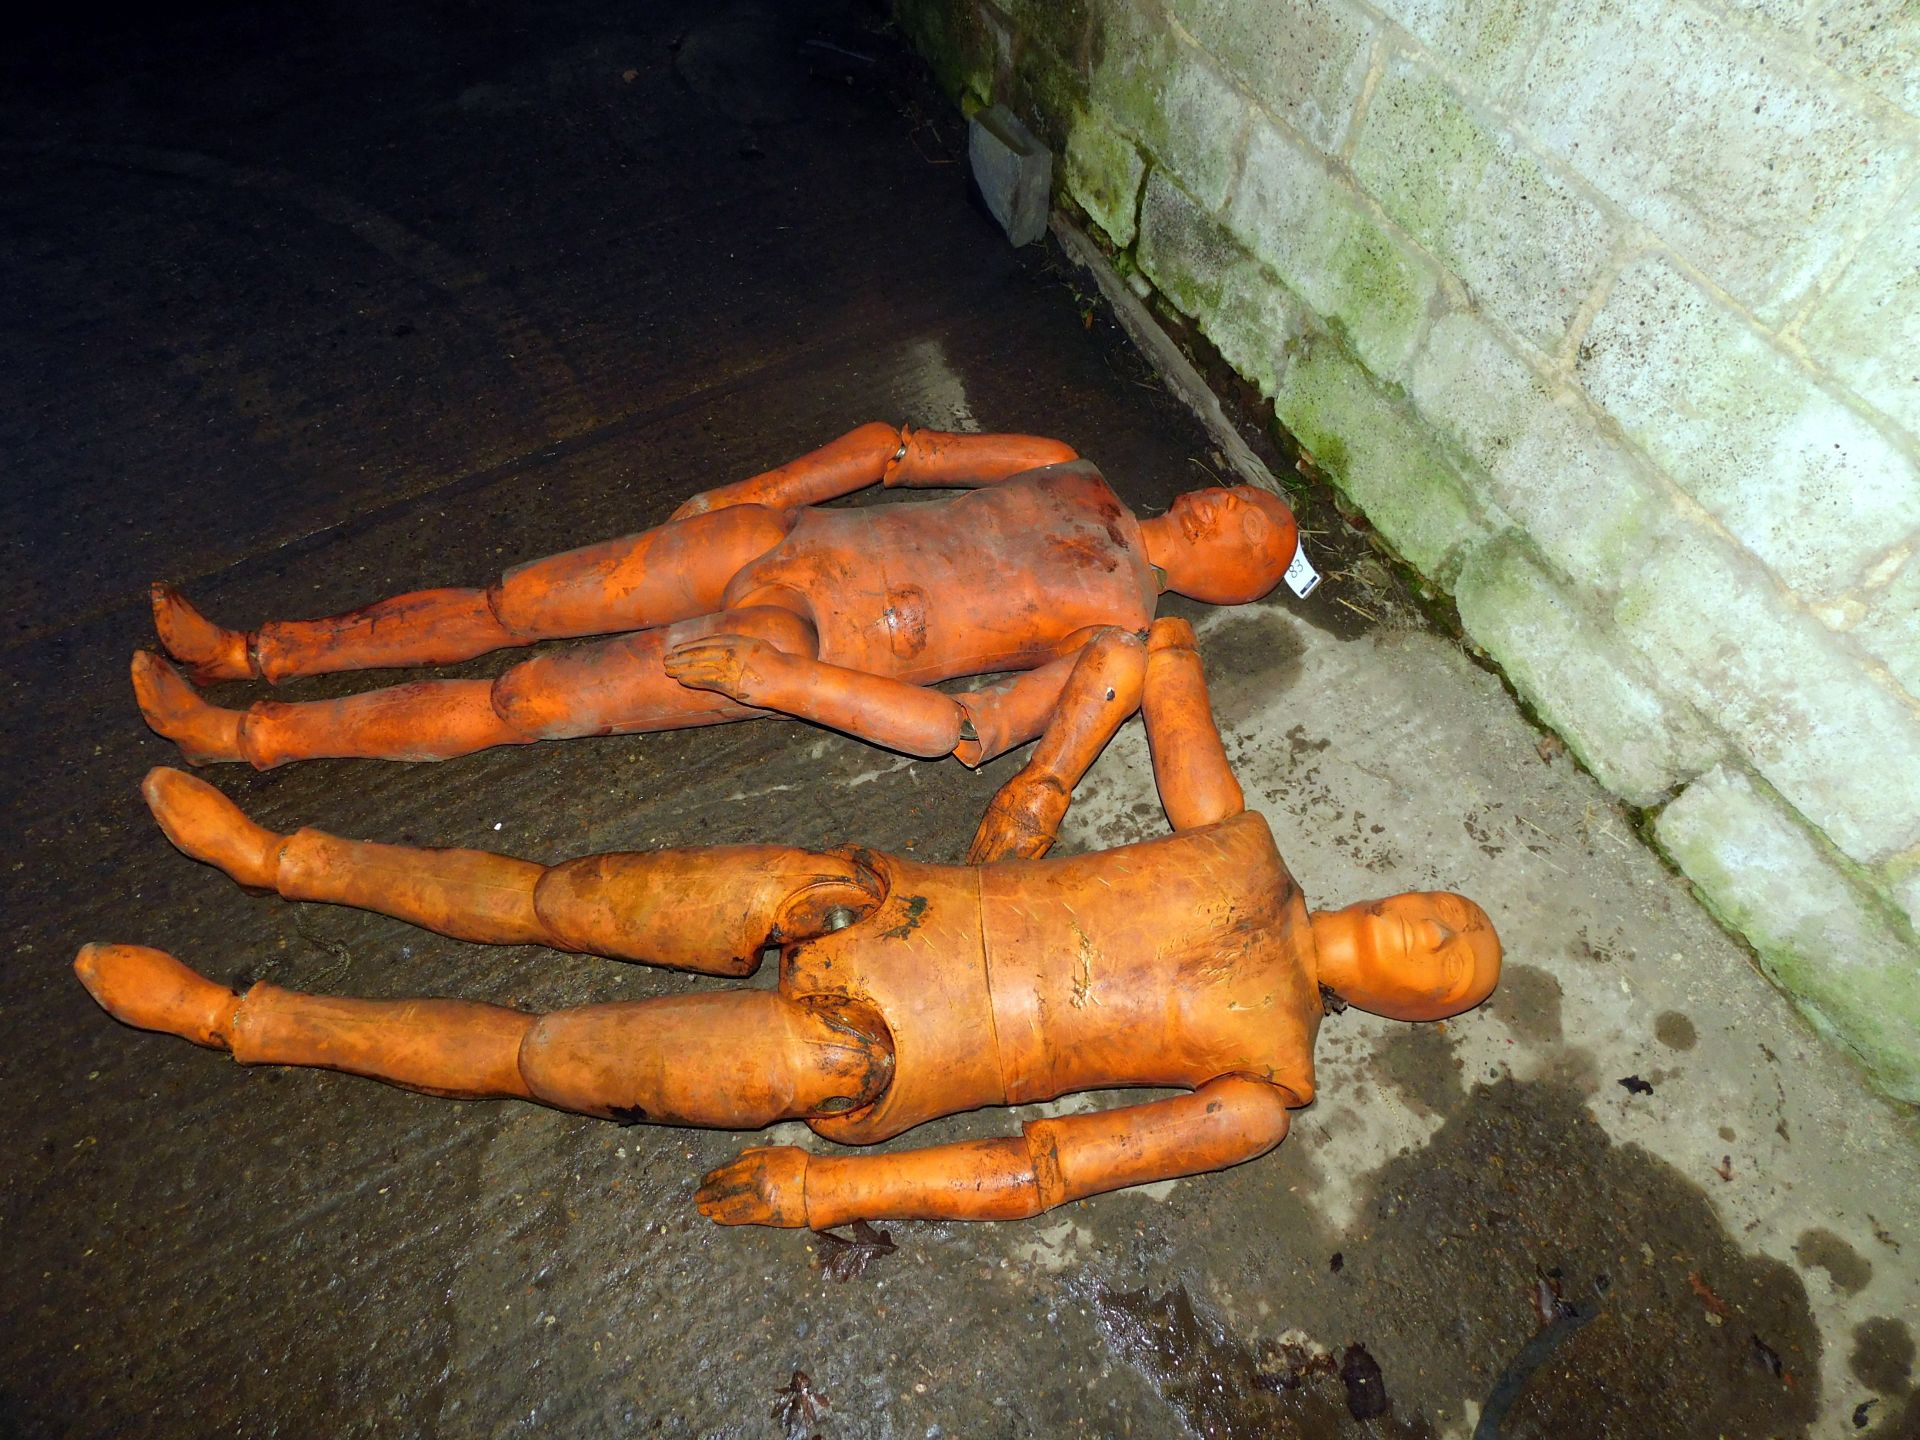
(1225, 547)
(1440, 935)
(1421, 956)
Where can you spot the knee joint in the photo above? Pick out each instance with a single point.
(528, 701)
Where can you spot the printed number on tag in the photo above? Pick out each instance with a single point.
(1301, 577)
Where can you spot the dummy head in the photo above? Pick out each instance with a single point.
(1223, 546)
(1420, 956)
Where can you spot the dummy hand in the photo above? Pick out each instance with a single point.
(1021, 822)
(734, 665)
(757, 1187)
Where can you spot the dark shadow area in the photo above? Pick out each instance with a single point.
(305, 306)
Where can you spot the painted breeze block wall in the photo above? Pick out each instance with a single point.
(1608, 317)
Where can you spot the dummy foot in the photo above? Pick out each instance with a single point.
(209, 651)
(206, 734)
(203, 823)
(150, 990)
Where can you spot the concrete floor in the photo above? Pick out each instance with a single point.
(302, 311)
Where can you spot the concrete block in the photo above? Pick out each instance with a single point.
(1167, 95)
(1840, 953)
(1890, 630)
(1235, 300)
(1014, 172)
(1103, 174)
(1253, 324)
(1582, 498)
(1485, 43)
(1525, 243)
(1305, 61)
(1306, 221)
(1379, 452)
(1745, 161)
(1841, 745)
(1804, 482)
(1867, 329)
(1877, 42)
(1583, 681)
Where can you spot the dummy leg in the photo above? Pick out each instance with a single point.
(613, 687)
(1224, 1122)
(712, 910)
(735, 1060)
(674, 572)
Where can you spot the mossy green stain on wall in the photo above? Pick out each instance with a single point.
(1820, 932)
(1373, 446)
(1104, 173)
(955, 42)
(1378, 302)
(1169, 95)
(1427, 170)
(1049, 93)
(1182, 249)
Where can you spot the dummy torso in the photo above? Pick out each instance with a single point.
(992, 579)
(1164, 963)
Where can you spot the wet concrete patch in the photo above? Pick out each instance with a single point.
(1882, 1355)
(1521, 1183)
(1821, 1249)
(1674, 1030)
(1251, 653)
(1219, 1386)
(1529, 1001)
(1420, 1066)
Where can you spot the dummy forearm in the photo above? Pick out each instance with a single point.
(1012, 711)
(893, 713)
(1051, 1162)
(1100, 693)
(934, 459)
(856, 460)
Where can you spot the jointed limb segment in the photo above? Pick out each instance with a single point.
(675, 1060)
(674, 572)
(1190, 767)
(884, 454)
(615, 686)
(1101, 691)
(1224, 1122)
(711, 911)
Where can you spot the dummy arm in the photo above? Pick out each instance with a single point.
(1115, 675)
(913, 719)
(1101, 691)
(1224, 1122)
(881, 454)
(1190, 766)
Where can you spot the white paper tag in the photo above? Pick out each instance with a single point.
(1301, 577)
